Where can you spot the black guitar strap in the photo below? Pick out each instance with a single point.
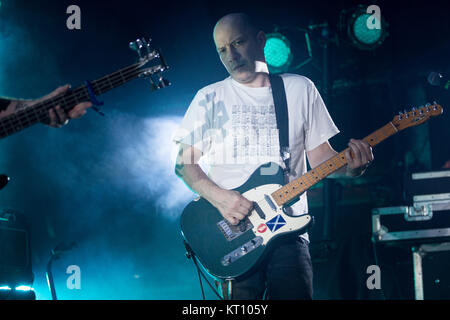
(281, 113)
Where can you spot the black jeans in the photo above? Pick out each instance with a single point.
(285, 275)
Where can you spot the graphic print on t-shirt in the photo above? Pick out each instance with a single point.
(254, 133)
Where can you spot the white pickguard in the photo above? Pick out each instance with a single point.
(292, 223)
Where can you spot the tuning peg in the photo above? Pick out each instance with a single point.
(163, 83)
(143, 43)
(153, 85)
(163, 61)
(134, 45)
(146, 43)
(406, 113)
(139, 43)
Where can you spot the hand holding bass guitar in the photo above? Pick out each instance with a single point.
(63, 103)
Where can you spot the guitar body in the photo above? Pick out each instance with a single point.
(226, 251)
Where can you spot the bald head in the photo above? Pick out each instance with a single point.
(239, 21)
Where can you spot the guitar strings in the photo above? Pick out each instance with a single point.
(100, 84)
(75, 95)
(19, 118)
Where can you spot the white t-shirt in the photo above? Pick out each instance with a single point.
(235, 127)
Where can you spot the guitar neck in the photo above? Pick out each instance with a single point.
(291, 191)
(36, 113)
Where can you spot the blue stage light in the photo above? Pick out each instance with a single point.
(277, 52)
(365, 27)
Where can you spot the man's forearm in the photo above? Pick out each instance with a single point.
(198, 181)
(12, 104)
(326, 152)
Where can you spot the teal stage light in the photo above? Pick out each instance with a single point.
(365, 28)
(362, 33)
(277, 52)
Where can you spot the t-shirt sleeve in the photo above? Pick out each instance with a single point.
(193, 129)
(320, 127)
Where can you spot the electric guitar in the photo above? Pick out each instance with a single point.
(38, 112)
(228, 251)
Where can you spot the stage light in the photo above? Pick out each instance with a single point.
(362, 33)
(24, 288)
(18, 288)
(16, 276)
(277, 52)
(22, 292)
(364, 26)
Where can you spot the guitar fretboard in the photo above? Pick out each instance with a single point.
(39, 112)
(291, 191)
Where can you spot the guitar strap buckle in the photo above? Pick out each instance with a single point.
(285, 156)
(285, 153)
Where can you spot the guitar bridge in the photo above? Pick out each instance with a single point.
(233, 231)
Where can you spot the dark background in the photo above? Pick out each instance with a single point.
(107, 183)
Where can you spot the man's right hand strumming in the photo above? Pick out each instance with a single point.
(232, 205)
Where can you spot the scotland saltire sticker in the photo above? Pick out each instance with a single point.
(276, 223)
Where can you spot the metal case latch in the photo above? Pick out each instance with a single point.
(419, 212)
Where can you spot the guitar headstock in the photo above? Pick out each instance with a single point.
(146, 54)
(416, 116)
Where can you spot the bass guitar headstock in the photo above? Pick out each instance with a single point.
(146, 54)
(416, 116)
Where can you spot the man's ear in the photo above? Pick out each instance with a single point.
(261, 38)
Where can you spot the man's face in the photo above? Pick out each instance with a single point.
(239, 50)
